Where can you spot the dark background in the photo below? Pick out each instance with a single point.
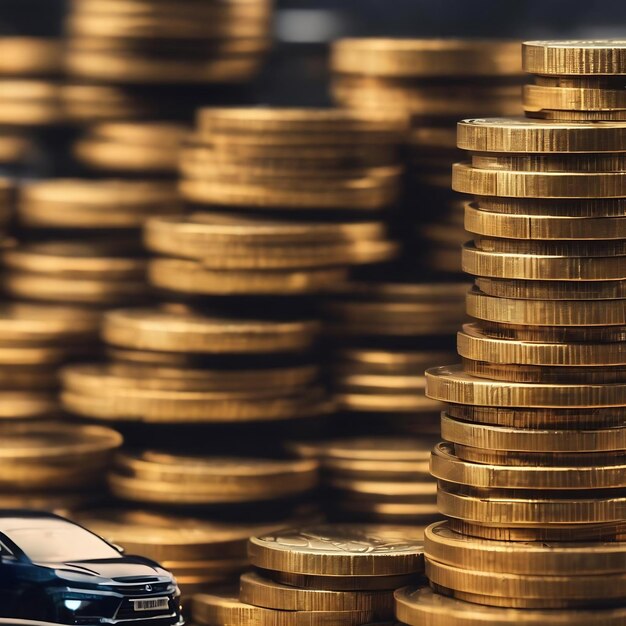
(296, 71)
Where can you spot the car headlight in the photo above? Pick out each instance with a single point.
(74, 605)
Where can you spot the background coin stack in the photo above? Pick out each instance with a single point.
(30, 107)
(54, 466)
(139, 68)
(317, 575)
(532, 472)
(376, 478)
(432, 83)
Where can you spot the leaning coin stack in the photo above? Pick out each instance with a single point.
(340, 575)
(54, 466)
(385, 335)
(29, 96)
(375, 479)
(532, 473)
(431, 82)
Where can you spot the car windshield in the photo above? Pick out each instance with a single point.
(61, 543)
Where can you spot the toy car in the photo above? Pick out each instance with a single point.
(54, 570)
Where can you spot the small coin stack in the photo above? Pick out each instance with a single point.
(29, 96)
(376, 479)
(54, 466)
(431, 82)
(532, 473)
(157, 42)
(341, 575)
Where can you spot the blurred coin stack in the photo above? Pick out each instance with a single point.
(532, 473)
(139, 68)
(54, 466)
(376, 478)
(341, 575)
(30, 106)
(385, 335)
(431, 83)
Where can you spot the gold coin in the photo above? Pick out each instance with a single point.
(405, 491)
(522, 135)
(609, 531)
(391, 512)
(540, 418)
(451, 384)
(152, 329)
(544, 374)
(227, 609)
(580, 58)
(358, 194)
(546, 312)
(554, 334)
(75, 203)
(506, 585)
(519, 184)
(418, 606)
(552, 290)
(599, 162)
(576, 116)
(27, 405)
(172, 377)
(267, 593)
(540, 97)
(30, 56)
(444, 465)
(571, 207)
(410, 363)
(341, 583)
(474, 344)
(443, 545)
(287, 120)
(174, 479)
(512, 603)
(496, 438)
(193, 407)
(383, 449)
(417, 58)
(540, 227)
(516, 507)
(188, 276)
(339, 550)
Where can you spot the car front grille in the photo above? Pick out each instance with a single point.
(138, 590)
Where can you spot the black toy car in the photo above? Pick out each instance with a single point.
(54, 570)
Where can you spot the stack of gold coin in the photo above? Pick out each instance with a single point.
(385, 335)
(291, 161)
(431, 82)
(532, 471)
(575, 81)
(200, 553)
(29, 95)
(212, 254)
(341, 575)
(375, 479)
(167, 42)
(54, 466)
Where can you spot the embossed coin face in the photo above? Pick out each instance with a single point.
(339, 550)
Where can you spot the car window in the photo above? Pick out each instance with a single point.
(61, 543)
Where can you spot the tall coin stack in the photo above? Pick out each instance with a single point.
(532, 472)
(430, 82)
(30, 104)
(342, 575)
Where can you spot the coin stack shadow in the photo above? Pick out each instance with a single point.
(376, 479)
(30, 105)
(207, 385)
(137, 71)
(431, 83)
(532, 471)
(340, 575)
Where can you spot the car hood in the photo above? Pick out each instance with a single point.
(114, 569)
